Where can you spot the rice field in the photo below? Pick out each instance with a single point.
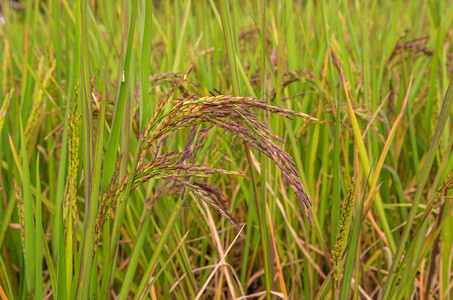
(226, 149)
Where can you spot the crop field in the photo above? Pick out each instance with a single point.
(226, 149)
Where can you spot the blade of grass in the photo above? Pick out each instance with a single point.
(135, 256)
(170, 257)
(8, 283)
(386, 148)
(92, 165)
(123, 80)
(182, 36)
(157, 251)
(145, 57)
(39, 236)
(335, 216)
(29, 220)
(366, 163)
(118, 222)
(441, 124)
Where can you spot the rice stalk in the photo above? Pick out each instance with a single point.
(4, 108)
(5, 81)
(38, 96)
(70, 209)
(70, 204)
(20, 211)
(337, 251)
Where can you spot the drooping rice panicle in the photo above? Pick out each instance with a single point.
(233, 114)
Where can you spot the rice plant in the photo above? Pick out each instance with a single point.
(225, 149)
